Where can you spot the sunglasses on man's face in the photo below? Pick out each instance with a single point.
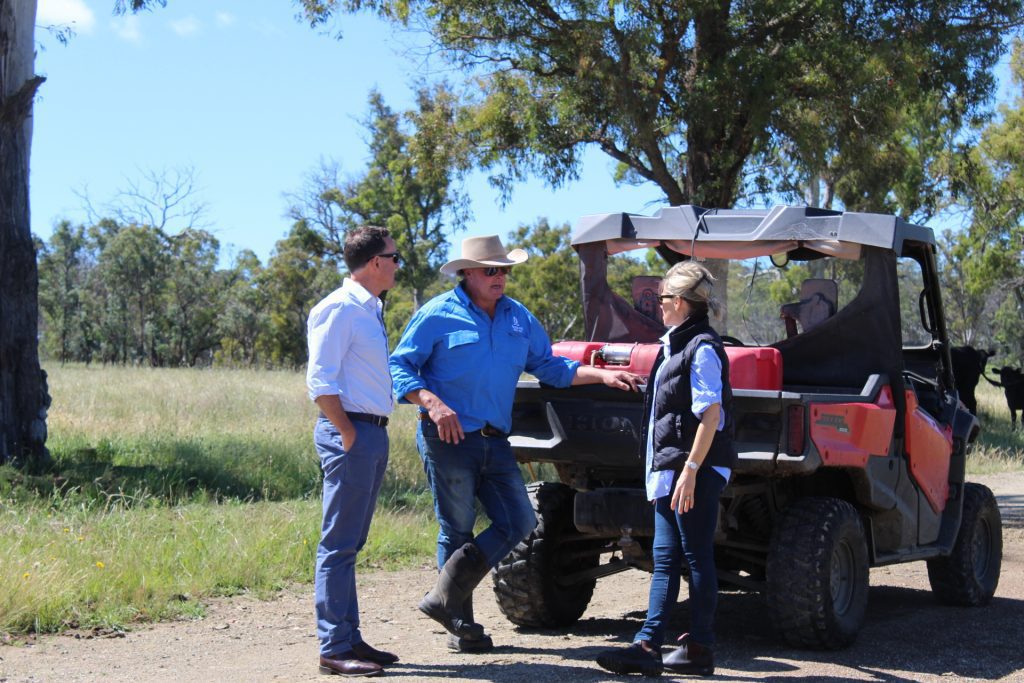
(393, 255)
(494, 270)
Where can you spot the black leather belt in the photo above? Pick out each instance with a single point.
(378, 420)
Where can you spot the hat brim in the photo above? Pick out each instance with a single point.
(513, 258)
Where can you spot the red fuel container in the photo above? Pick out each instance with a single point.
(754, 367)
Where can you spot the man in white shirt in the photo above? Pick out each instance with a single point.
(349, 380)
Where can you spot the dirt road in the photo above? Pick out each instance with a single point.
(908, 636)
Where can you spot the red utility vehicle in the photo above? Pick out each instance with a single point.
(852, 441)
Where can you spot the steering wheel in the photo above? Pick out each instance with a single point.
(732, 341)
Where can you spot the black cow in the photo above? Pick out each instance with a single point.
(1012, 382)
(968, 367)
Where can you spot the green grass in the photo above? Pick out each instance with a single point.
(66, 566)
(171, 486)
(998, 449)
(176, 434)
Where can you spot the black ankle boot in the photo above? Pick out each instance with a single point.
(639, 658)
(691, 658)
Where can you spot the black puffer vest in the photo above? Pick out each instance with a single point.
(675, 427)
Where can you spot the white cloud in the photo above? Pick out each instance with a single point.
(185, 27)
(225, 18)
(127, 29)
(73, 13)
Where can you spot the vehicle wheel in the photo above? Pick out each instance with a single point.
(530, 583)
(818, 574)
(970, 574)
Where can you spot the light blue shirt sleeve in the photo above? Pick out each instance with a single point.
(706, 382)
(329, 336)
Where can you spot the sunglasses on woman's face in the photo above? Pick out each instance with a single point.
(393, 255)
(494, 270)
(667, 297)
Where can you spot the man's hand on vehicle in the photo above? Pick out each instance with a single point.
(620, 379)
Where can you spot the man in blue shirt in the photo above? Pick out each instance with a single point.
(348, 378)
(459, 359)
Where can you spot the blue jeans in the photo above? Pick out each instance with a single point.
(477, 467)
(352, 481)
(690, 535)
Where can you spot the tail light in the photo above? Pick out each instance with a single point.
(795, 440)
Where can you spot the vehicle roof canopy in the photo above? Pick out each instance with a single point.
(862, 338)
(747, 233)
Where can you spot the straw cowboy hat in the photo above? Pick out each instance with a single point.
(481, 252)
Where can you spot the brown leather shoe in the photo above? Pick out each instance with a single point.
(371, 654)
(346, 664)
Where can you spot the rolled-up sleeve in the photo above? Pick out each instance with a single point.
(413, 350)
(705, 381)
(329, 339)
(542, 364)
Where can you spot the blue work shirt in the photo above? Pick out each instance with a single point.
(452, 348)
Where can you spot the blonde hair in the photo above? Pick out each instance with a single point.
(693, 282)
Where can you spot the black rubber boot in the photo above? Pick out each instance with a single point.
(691, 658)
(470, 645)
(445, 603)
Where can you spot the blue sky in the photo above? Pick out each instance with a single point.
(249, 97)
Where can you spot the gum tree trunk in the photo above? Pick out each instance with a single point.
(23, 394)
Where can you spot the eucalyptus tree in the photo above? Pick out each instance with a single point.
(297, 276)
(195, 296)
(63, 266)
(411, 185)
(24, 398)
(245, 315)
(985, 262)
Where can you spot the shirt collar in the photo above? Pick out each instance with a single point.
(463, 296)
(362, 295)
(665, 339)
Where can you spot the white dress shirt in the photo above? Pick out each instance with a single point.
(348, 351)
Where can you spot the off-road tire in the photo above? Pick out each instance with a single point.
(970, 574)
(526, 582)
(818, 574)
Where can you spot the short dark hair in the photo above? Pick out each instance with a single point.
(362, 244)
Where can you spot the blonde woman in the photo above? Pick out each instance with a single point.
(689, 455)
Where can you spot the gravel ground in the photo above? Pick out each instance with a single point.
(907, 636)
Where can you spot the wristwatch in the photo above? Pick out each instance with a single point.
(692, 465)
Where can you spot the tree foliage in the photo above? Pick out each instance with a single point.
(411, 186)
(548, 283)
(983, 265)
(683, 94)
